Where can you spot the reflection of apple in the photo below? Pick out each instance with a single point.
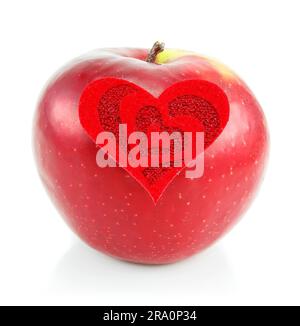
(108, 208)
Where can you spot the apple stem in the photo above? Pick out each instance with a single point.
(155, 50)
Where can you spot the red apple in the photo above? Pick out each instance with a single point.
(107, 207)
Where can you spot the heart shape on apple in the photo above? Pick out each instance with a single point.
(191, 105)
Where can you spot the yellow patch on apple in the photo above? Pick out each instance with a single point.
(169, 55)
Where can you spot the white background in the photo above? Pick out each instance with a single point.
(41, 261)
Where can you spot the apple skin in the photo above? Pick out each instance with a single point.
(110, 210)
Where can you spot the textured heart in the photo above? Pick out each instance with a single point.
(192, 105)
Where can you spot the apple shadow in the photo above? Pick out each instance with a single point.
(83, 270)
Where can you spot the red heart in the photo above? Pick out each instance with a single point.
(193, 105)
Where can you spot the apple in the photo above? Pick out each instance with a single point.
(108, 207)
